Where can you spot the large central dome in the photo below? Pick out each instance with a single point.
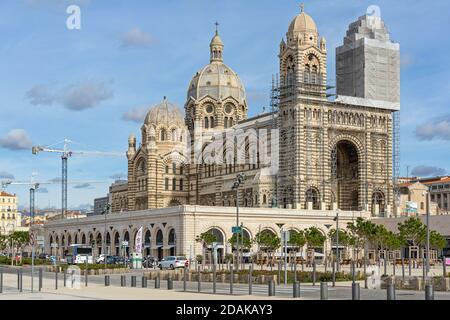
(216, 80)
(164, 113)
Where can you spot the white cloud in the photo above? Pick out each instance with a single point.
(85, 95)
(16, 139)
(437, 128)
(136, 115)
(74, 97)
(83, 186)
(427, 171)
(136, 38)
(6, 175)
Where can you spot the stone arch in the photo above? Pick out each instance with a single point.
(312, 195)
(347, 163)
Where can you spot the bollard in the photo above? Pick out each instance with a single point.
(429, 292)
(56, 280)
(393, 268)
(40, 279)
(390, 291)
(65, 275)
(20, 280)
(86, 277)
(1, 280)
(169, 283)
(184, 279)
(334, 274)
(133, 281)
(409, 262)
(355, 291)
(314, 273)
(144, 282)
(158, 282)
(324, 290)
(271, 285)
(231, 281)
(107, 281)
(296, 289)
(123, 281)
(199, 281)
(250, 280)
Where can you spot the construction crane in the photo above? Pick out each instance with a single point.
(34, 186)
(66, 153)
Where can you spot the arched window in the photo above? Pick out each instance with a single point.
(264, 199)
(181, 184)
(174, 168)
(312, 195)
(174, 184)
(206, 123)
(163, 135)
(174, 135)
(225, 122)
(307, 74)
(166, 184)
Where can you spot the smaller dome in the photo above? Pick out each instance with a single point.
(303, 23)
(216, 40)
(164, 113)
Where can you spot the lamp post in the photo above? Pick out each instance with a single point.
(105, 212)
(428, 234)
(337, 240)
(239, 179)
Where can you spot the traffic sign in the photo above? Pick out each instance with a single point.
(32, 239)
(236, 229)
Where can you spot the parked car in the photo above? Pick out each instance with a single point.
(173, 262)
(43, 256)
(149, 262)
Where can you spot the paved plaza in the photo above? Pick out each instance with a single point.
(96, 290)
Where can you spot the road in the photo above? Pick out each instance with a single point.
(308, 292)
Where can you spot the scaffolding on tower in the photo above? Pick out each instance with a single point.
(274, 108)
(396, 158)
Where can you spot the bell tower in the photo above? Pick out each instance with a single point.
(303, 74)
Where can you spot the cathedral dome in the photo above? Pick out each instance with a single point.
(164, 113)
(216, 80)
(303, 23)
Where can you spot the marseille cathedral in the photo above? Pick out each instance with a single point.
(326, 151)
(332, 154)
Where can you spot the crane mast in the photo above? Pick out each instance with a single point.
(65, 155)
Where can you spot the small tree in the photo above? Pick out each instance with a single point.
(314, 238)
(207, 238)
(413, 231)
(20, 239)
(297, 240)
(267, 241)
(243, 240)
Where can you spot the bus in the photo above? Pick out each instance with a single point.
(79, 253)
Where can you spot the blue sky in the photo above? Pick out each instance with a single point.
(129, 54)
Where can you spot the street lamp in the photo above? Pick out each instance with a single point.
(105, 212)
(337, 240)
(428, 232)
(239, 180)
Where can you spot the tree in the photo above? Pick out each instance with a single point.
(314, 238)
(267, 240)
(413, 231)
(344, 238)
(20, 239)
(207, 238)
(297, 240)
(3, 242)
(243, 240)
(437, 241)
